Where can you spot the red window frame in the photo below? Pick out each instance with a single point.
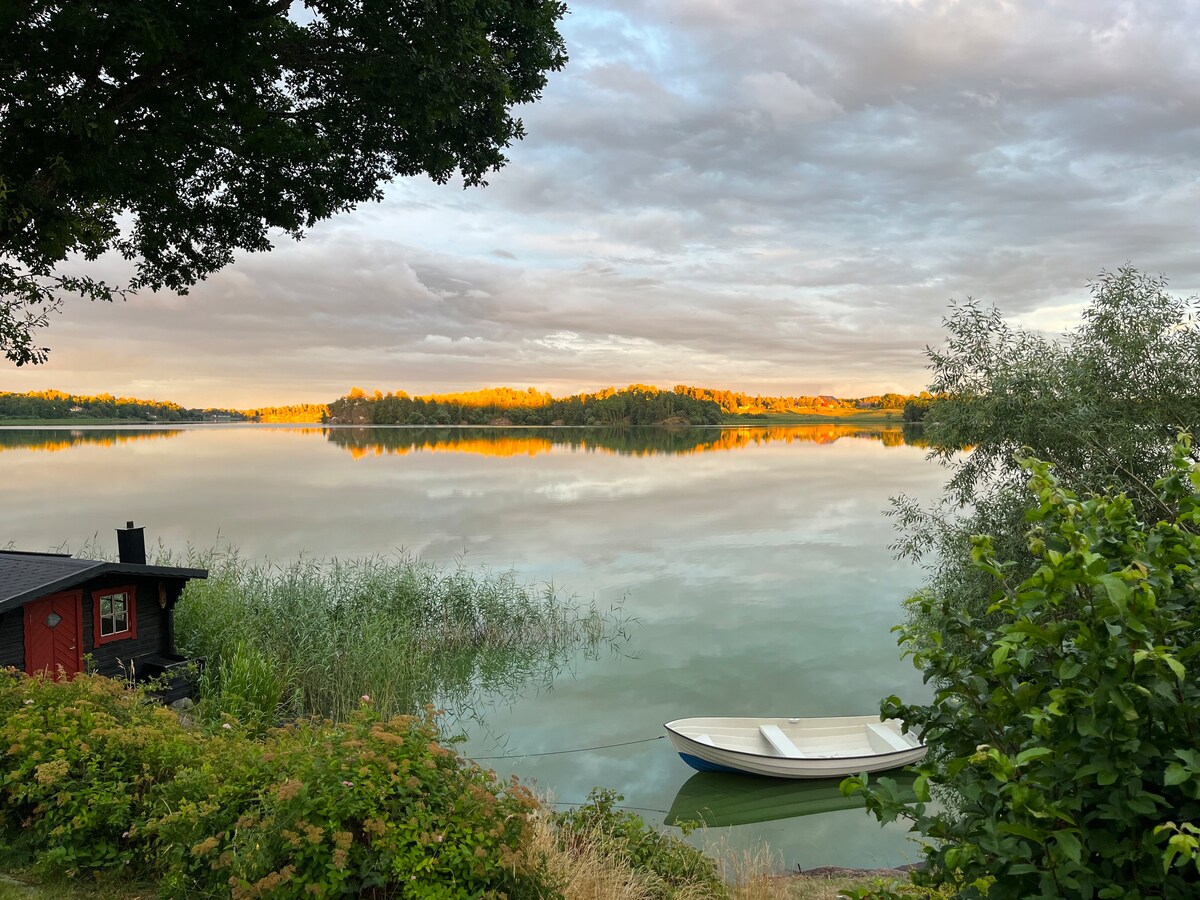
(129, 633)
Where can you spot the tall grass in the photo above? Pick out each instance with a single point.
(402, 631)
(597, 852)
(245, 685)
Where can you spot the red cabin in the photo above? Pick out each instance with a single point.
(59, 614)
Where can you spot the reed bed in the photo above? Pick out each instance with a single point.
(313, 637)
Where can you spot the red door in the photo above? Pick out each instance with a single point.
(54, 634)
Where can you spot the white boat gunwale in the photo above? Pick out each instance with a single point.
(773, 756)
(710, 755)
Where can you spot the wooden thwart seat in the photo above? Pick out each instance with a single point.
(886, 734)
(781, 742)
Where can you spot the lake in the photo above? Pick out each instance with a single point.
(752, 562)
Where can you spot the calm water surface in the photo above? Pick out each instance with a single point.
(753, 562)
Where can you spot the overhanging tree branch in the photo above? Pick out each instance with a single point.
(118, 114)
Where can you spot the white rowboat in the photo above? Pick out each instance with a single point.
(794, 748)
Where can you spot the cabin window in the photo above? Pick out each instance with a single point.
(114, 615)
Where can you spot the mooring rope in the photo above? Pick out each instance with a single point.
(573, 750)
(615, 806)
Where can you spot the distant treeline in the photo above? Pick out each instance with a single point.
(53, 404)
(296, 412)
(635, 405)
(738, 403)
(917, 408)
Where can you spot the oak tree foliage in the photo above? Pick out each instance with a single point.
(179, 133)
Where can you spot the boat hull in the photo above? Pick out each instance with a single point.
(825, 747)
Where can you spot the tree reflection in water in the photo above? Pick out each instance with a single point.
(54, 439)
(362, 441)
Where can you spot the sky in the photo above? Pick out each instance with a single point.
(778, 197)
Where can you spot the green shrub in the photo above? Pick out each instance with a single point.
(674, 864)
(1101, 402)
(893, 889)
(1063, 732)
(92, 777)
(79, 761)
(321, 810)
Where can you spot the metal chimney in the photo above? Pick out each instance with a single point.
(131, 544)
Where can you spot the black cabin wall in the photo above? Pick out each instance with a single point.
(12, 639)
(121, 658)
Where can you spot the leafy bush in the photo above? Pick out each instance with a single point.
(79, 762)
(324, 810)
(893, 889)
(1102, 403)
(92, 777)
(1064, 727)
(676, 866)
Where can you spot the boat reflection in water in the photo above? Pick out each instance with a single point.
(718, 799)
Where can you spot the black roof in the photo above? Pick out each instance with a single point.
(28, 576)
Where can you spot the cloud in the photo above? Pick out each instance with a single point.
(774, 195)
(785, 100)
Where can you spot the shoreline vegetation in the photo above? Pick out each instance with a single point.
(859, 417)
(792, 886)
(311, 637)
(312, 759)
(108, 796)
(634, 405)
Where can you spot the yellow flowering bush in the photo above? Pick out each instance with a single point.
(78, 761)
(320, 810)
(93, 776)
